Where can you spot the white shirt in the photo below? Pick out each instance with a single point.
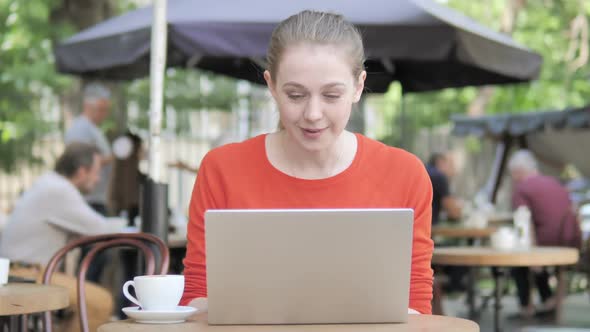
(46, 216)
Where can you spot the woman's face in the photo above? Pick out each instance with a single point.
(314, 89)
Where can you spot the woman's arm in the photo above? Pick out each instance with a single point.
(420, 199)
(205, 196)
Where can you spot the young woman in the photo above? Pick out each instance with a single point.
(315, 74)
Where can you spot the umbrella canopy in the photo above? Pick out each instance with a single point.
(500, 126)
(554, 136)
(423, 45)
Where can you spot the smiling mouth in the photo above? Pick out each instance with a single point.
(312, 131)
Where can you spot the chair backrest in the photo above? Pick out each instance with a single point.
(146, 243)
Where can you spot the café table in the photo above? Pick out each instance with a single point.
(198, 323)
(463, 232)
(500, 218)
(18, 299)
(499, 259)
(472, 236)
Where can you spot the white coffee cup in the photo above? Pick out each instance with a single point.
(503, 239)
(4, 268)
(156, 292)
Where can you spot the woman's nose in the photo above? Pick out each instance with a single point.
(313, 110)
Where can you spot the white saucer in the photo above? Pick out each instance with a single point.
(159, 317)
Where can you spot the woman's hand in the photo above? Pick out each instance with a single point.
(200, 303)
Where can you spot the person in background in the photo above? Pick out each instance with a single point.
(554, 223)
(53, 210)
(86, 129)
(50, 214)
(124, 195)
(441, 169)
(126, 180)
(315, 75)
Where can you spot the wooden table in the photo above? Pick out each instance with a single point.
(498, 259)
(486, 256)
(26, 298)
(473, 237)
(463, 232)
(416, 323)
(500, 218)
(17, 299)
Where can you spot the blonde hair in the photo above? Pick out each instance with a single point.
(319, 28)
(316, 27)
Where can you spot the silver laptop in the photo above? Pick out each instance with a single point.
(308, 266)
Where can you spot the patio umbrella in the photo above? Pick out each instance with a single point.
(423, 45)
(553, 136)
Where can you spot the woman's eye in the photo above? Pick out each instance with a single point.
(295, 96)
(330, 96)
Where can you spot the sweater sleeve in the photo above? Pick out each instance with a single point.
(203, 198)
(423, 246)
(78, 218)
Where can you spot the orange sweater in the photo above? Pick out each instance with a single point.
(239, 176)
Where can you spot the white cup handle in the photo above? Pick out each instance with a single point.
(126, 292)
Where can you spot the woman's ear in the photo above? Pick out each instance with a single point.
(270, 83)
(360, 86)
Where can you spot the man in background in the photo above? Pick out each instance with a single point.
(53, 210)
(49, 214)
(554, 223)
(86, 129)
(440, 168)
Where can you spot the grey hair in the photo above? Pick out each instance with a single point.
(523, 159)
(96, 91)
(319, 28)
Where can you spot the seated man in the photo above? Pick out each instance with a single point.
(554, 223)
(53, 210)
(49, 214)
(440, 168)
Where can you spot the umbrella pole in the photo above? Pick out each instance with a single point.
(154, 207)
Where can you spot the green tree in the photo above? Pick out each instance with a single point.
(544, 26)
(27, 75)
(29, 83)
(184, 91)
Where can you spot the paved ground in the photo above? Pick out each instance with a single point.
(576, 315)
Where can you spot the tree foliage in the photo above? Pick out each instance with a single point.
(544, 26)
(186, 90)
(29, 84)
(27, 76)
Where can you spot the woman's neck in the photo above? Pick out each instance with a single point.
(292, 159)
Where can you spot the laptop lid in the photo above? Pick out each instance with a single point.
(308, 266)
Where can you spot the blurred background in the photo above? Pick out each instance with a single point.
(203, 110)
